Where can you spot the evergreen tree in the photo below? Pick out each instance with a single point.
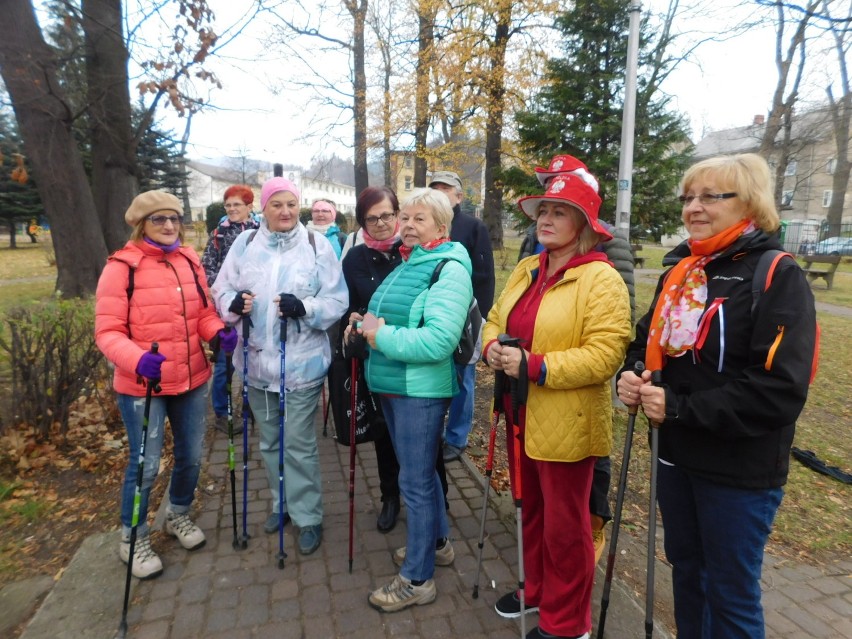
(579, 111)
(19, 200)
(160, 164)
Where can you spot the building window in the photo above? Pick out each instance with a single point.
(830, 166)
(407, 162)
(826, 199)
(787, 199)
(407, 182)
(791, 168)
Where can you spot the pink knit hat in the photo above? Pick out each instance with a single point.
(276, 185)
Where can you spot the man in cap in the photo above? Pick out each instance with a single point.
(471, 233)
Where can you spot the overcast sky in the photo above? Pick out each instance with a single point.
(727, 85)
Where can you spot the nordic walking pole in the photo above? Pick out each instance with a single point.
(353, 398)
(282, 407)
(489, 468)
(246, 409)
(153, 385)
(656, 380)
(518, 387)
(619, 504)
(229, 374)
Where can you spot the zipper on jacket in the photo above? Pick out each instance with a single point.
(185, 322)
(774, 348)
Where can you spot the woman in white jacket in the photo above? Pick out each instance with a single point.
(283, 270)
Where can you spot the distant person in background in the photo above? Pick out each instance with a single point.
(238, 218)
(617, 251)
(471, 233)
(323, 216)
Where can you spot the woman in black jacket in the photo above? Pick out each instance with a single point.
(365, 266)
(735, 367)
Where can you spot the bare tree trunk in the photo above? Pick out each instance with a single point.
(114, 181)
(425, 53)
(841, 113)
(496, 94)
(359, 16)
(28, 69)
(784, 62)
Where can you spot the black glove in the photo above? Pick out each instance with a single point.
(355, 346)
(238, 305)
(290, 306)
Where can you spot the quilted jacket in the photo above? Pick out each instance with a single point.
(582, 328)
(416, 360)
(167, 304)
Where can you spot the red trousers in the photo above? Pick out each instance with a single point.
(559, 558)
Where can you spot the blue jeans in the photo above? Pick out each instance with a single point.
(714, 539)
(461, 408)
(186, 413)
(415, 426)
(219, 387)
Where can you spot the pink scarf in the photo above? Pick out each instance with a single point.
(383, 246)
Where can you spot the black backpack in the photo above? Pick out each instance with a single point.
(466, 348)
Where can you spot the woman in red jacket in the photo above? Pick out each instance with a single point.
(154, 290)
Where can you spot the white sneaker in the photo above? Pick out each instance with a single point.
(401, 593)
(146, 563)
(180, 525)
(444, 555)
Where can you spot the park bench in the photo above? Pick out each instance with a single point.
(638, 260)
(826, 266)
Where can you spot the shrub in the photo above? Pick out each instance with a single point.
(52, 356)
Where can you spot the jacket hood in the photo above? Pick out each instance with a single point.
(445, 251)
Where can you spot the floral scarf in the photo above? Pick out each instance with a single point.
(405, 252)
(674, 323)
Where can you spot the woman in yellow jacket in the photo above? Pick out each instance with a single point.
(571, 311)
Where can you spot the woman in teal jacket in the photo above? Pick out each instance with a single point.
(410, 366)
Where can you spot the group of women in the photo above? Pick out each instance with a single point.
(730, 376)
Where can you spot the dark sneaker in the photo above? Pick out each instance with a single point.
(401, 593)
(452, 453)
(509, 606)
(310, 538)
(387, 518)
(271, 525)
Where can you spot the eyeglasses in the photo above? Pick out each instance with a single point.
(374, 220)
(160, 220)
(706, 199)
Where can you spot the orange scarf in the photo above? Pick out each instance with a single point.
(674, 323)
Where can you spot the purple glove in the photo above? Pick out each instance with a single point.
(227, 339)
(149, 365)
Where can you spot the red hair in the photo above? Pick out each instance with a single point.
(241, 191)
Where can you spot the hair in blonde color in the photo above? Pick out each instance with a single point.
(587, 238)
(436, 202)
(747, 175)
(138, 231)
